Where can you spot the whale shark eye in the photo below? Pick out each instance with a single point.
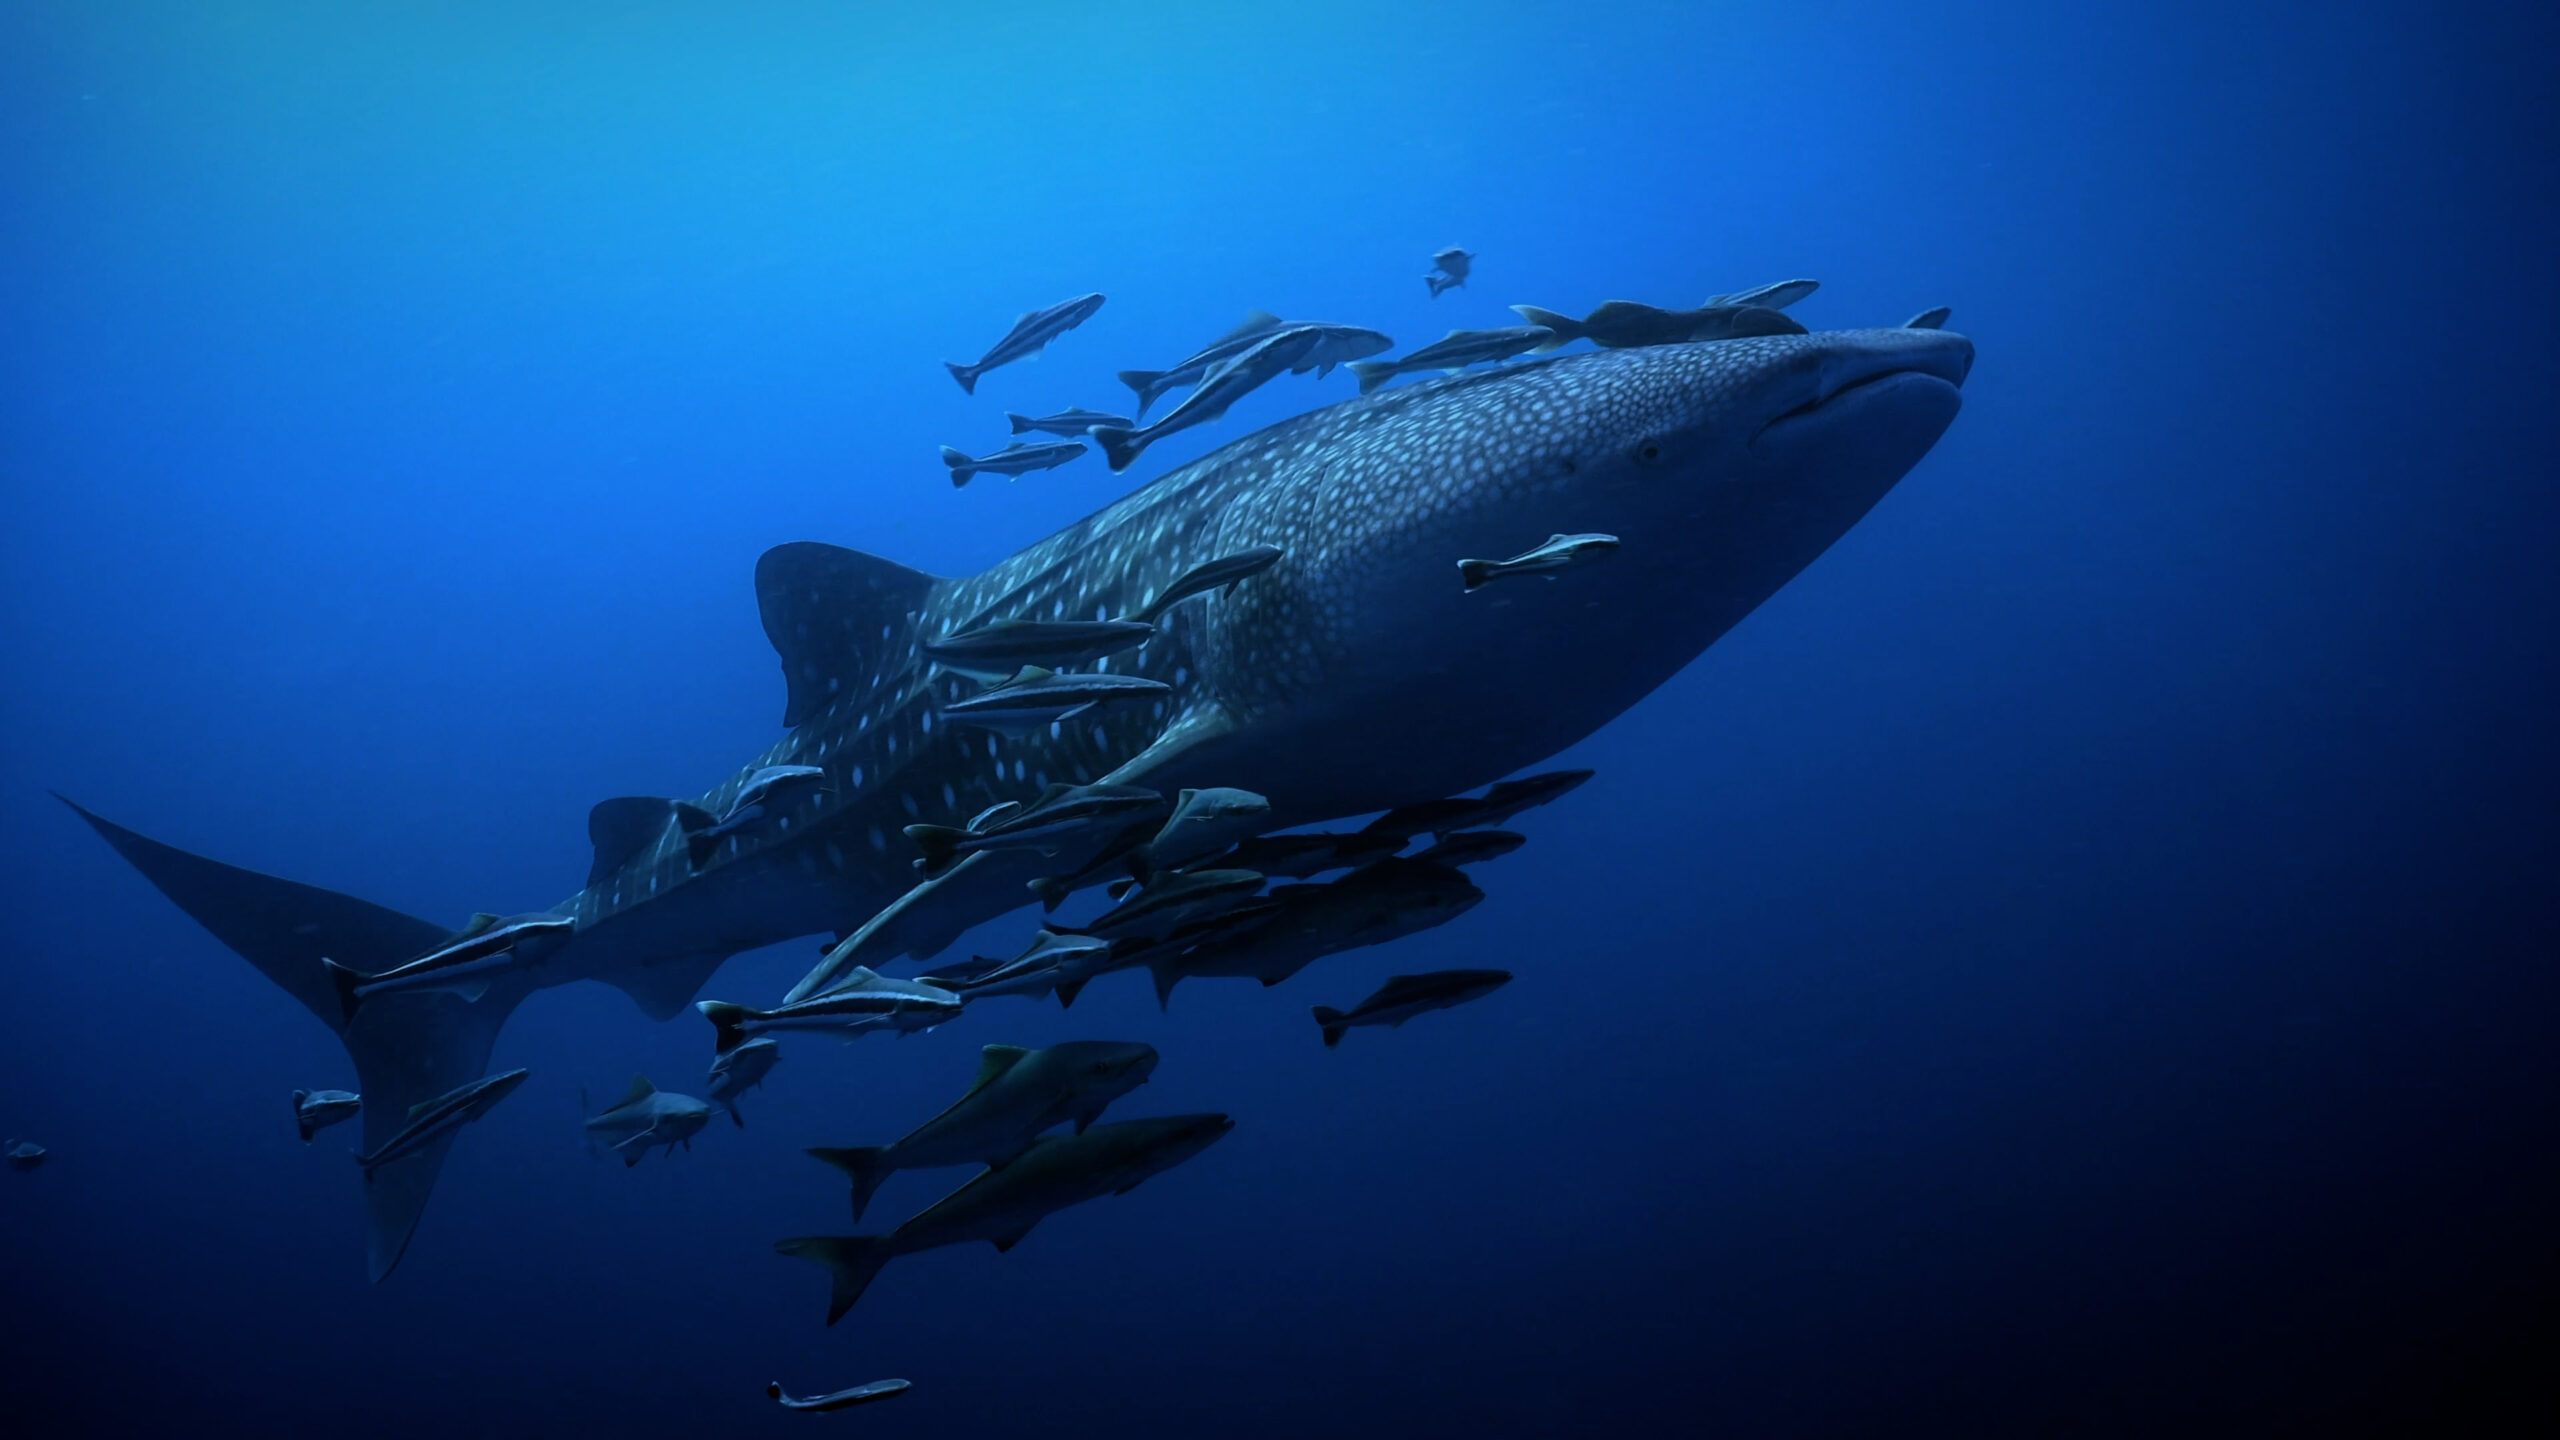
(1648, 451)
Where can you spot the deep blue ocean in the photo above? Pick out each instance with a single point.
(2080, 960)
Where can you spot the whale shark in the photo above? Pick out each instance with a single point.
(1352, 674)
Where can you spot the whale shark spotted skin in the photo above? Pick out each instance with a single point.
(1347, 677)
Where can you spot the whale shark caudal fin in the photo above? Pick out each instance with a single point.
(1334, 1024)
(824, 608)
(852, 1262)
(861, 1164)
(407, 1047)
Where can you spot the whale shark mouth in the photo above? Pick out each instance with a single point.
(1935, 369)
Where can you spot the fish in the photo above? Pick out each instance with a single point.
(1125, 852)
(1150, 384)
(1173, 898)
(1002, 1206)
(1001, 648)
(1557, 552)
(1454, 352)
(1470, 847)
(1448, 270)
(1350, 680)
(1204, 822)
(23, 1154)
(1405, 996)
(1048, 961)
(1294, 349)
(763, 794)
(431, 1123)
(864, 1002)
(738, 1071)
(1014, 460)
(459, 966)
(1933, 318)
(1499, 803)
(1305, 856)
(1036, 698)
(839, 1399)
(646, 1118)
(1031, 333)
(1385, 901)
(1227, 572)
(1068, 423)
(1776, 295)
(1063, 816)
(1018, 1094)
(317, 1110)
(1625, 324)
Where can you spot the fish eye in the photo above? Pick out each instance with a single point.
(1648, 452)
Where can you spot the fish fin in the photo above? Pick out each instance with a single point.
(470, 990)
(1121, 887)
(1166, 977)
(967, 375)
(298, 1122)
(852, 1262)
(1933, 318)
(1022, 424)
(735, 1117)
(690, 817)
(1254, 323)
(725, 1021)
(1120, 445)
(1372, 373)
(862, 1165)
(640, 1090)
(1189, 743)
(1753, 320)
(621, 828)
(940, 844)
(1333, 1022)
(405, 1047)
(824, 608)
(1004, 1243)
(1566, 328)
(344, 981)
(1476, 574)
(993, 1062)
(1146, 384)
(1068, 990)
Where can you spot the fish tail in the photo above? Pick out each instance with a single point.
(961, 470)
(298, 1122)
(967, 375)
(1067, 991)
(1147, 383)
(1120, 445)
(1333, 1023)
(727, 1021)
(1476, 573)
(852, 1262)
(344, 982)
(1372, 373)
(735, 1118)
(1566, 328)
(1021, 424)
(861, 1165)
(940, 844)
(1166, 978)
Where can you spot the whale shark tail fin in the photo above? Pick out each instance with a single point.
(407, 1047)
(852, 1261)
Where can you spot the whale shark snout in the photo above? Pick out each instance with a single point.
(1858, 387)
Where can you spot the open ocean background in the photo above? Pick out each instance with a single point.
(2081, 960)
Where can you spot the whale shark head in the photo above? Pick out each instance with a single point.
(1723, 468)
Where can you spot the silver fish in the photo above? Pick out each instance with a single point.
(839, 1399)
(1014, 459)
(1405, 996)
(1454, 352)
(1558, 553)
(1064, 815)
(461, 965)
(1035, 699)
(1296, 348)
(317, 1110)
(1448, 270)
(865, 1001)
(741, 1070)
(1029, 335)
(1069, 423)
(432, 1120)
(1227, 570)
(646, 1118)
(1001, 648)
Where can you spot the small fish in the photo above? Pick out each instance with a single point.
(1295, 349)
(1227, 570)
(1036, 698)
(1470, 847)
(1000, 648)
(1150, 384)
(741, 1070)
(1015, 459)
(1449, 270)
(23, 1154)
(1063, 815)
(1443, 818)
(317, 1110)
(1050, 960)
(1933, 318)
(838, 1399)
(432, 1120)
(1172, 899)
(864, 1002)
(1776, 295)
(1002, 1206)
(646, 1118)
(763, 792)
(1370, 906)
(1305, 856)
(1204, 822)
(460, 965)
(1405, 996)
(1029, 335)
(1558, 553)
(1069, 423)
(1126, 852)
(1625, 324)
(1018, 1094)
(1454, 352)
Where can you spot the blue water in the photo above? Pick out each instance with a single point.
(2079, 960)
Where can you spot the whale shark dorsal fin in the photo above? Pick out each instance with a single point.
(993, 1062)
(640, 1090)
(824, 608)
(621, 828)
